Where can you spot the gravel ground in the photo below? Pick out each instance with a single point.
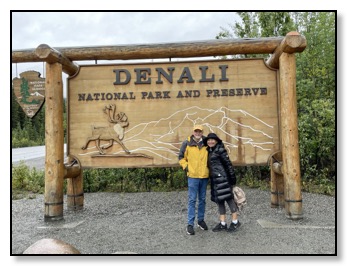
(155, 223)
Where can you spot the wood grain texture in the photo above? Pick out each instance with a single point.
(243, 111)
(159, 50)
(289, 137)
(54, 141)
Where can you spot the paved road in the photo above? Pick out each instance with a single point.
(31, 156)
(27, 153)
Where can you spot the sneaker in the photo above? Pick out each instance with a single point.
(233, 227)
(220, 227)
(190, 230)
(202, 225)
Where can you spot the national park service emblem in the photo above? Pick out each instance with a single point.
(30, 92)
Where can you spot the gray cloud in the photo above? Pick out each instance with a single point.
(62, 29)
(71, 29)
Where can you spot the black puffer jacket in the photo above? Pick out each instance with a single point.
(222, 173)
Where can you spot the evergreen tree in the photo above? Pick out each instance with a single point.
(15, 119)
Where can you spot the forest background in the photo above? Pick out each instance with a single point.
(316, 96)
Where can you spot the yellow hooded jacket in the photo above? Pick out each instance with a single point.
(193, 158)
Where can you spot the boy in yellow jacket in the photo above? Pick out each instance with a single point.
(193, 159)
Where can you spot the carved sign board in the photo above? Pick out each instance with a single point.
(138, 115)
(29, 90)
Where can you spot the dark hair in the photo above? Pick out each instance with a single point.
(212, 136)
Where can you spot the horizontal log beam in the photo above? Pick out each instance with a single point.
(72, 172)
(25, 56)
(292, 43)
(277, 168)
(73, 169)
(161, 50)
(51, 56)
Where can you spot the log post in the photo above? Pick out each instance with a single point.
(289, 137)
(276, 183)
(75, 195)
(74, 175)
(54, 137)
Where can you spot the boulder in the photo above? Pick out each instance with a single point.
(51, 246)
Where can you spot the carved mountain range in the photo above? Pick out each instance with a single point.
(164, 136)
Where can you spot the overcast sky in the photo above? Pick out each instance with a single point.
(63, 29)
(71, 29)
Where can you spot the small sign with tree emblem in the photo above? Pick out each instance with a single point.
(30, 92)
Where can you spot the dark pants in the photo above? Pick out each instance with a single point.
(232, 206)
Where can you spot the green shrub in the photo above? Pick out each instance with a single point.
(26, 180)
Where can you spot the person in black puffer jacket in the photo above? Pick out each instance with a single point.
(222, 177)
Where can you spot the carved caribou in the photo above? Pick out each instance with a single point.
(111, 133)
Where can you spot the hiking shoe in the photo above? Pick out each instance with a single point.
(233, 227)
(202, 225)
(220, 227)
(190, 230)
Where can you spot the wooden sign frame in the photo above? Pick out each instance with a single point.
(58, 60)
(161, 102)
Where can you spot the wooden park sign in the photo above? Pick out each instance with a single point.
(29, 90)
(137, 115)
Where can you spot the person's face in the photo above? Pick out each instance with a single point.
(197, 134)
(211, 143)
